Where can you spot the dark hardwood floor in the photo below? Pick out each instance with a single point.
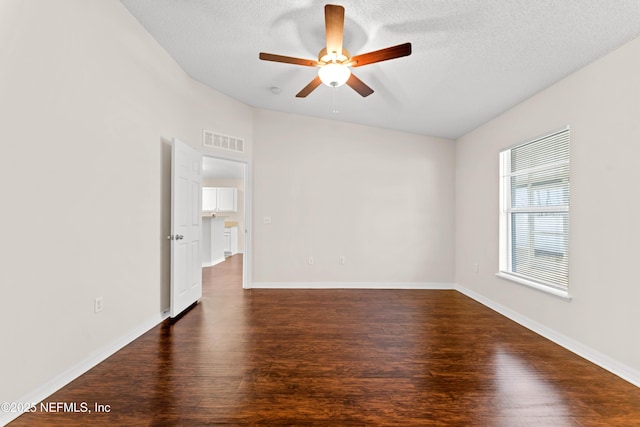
(342, 358)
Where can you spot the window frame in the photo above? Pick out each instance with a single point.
(505, 269)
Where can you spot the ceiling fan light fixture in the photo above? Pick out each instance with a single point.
(334, 74)
(334, 60)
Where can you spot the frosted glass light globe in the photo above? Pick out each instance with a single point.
(334, 75)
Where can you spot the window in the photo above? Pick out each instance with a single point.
(534, 213)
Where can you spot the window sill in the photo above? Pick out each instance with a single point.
(530, 283)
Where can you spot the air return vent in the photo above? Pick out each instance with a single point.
(223, 142)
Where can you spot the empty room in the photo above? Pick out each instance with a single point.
(302, 213)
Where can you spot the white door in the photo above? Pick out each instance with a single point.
(186, 227)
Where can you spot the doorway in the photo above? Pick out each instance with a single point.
(227, 181)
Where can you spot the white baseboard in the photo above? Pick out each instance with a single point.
(353, 285)
(623, 371)
(64, 378)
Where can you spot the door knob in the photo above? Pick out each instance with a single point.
(179, 237)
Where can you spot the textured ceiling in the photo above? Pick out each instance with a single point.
(472, 59)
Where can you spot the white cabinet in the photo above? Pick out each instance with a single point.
(219, 199)
(227, 199)
(209, 198)
(213, 241)
(230, 240)
(227, 242)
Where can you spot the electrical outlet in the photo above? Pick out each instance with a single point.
(310, 260)
(98, 305)
(476, 267)
(341, 260)
(266, 220)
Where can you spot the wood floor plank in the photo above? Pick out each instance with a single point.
(342, 357)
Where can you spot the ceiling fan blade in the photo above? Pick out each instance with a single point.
(309, 88)
(381, 55)
(359, 86)
(334, 27)
(288, 60)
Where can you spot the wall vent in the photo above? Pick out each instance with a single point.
(223, 142)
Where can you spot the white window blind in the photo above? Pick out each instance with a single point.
(534, 201)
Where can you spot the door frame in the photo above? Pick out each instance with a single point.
(246, 255)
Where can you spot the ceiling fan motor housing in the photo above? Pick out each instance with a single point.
(327, 57)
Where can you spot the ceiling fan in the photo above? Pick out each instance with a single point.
(334, 61)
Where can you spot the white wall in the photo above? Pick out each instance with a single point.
(382, 199)
(86, 96)
(601, 103)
